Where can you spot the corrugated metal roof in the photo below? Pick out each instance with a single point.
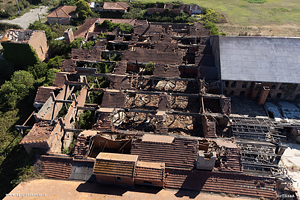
(261, 59)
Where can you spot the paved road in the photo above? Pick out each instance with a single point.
(29, 17)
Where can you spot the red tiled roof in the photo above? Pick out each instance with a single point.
(149, 171)
(56, 166)
(146, 55)
(115, 6)
(59, 80)
(113, 100)
(181, 153)
(221, 182)
(68, 65)
(86, 54)
(113, 164)
(63, 11)
(84, 28)
(43, 93)
(39, 133)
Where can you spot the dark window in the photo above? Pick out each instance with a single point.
(244, 84)
(274, 86)
(233, 84)
(297, 98)
(278, 95)
(119, 178)
(269, 95)
(226, 83)
(148, 182)
(295, 86)
(224, 92)
(242, 93)
(231, 93)
(282, 86)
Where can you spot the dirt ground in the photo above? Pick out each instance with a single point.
(287, 30)
(59, 189)
(28, 18)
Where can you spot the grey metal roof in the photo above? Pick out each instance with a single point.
(261, 59)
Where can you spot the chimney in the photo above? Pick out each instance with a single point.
(69, 37)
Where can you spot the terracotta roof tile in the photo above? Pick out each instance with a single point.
(113, 100)
(112, 164)
(63, 11)
(68, 65)
(121, 6)
(84, 28)
(221, 182)
(59, 80)
(43, 93)
(181, 153)
(39, 133)
(59, 167)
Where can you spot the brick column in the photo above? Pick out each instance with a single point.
(255, 90)
(263, 95)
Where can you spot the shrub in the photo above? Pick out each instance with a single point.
(256, 1)
(55, 62)
(149, 67)
(50, 76)
(126, 28)
(38, 70)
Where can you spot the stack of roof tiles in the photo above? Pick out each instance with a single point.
(81, 150)
(221, 182)
(232, 163)
(39, 134)
(56, 167)
(104, 122)
(174, 152)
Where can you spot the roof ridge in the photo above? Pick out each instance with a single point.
(64, 11)
(121, 4)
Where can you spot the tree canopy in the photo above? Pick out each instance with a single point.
(83, 9)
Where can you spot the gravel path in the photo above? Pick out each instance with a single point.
(28, 18)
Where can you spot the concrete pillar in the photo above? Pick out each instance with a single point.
(263, 95)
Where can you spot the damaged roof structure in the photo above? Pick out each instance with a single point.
(158, 120)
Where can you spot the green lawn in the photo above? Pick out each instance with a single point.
(240, 12)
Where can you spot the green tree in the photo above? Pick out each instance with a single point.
(50, 76)
(38, 70)
(55, 62)
(83, 9)
(211, 16)
(37, 25)
(11, 92)
(126, 28)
